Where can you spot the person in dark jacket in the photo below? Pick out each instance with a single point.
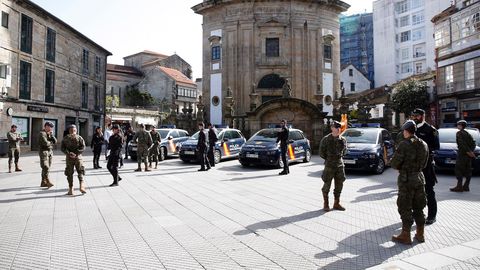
(429, 135)
(115, 146)
(96, 145)
(282, 137)
(465, 156)
(212, 140)
(202, 147)
(129, 134)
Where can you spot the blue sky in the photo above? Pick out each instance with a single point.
(125, 27)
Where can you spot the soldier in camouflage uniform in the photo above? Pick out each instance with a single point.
(154, 150)
(46, 141)
(14, 139)
(465, 155)
(144, 140)
(73, 146)
(410, 159)
(332, 148)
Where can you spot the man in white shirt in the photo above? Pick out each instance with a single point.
(106, 136)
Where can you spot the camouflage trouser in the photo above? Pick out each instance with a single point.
(13, 153)
(74, 164)
(337, 173)
(153, 153)
(142, 154)
(411, 199)
(463, 167)
(45, 162)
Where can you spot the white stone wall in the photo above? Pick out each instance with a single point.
(360, 81)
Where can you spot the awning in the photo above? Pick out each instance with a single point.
(121, 118)
(146, 120)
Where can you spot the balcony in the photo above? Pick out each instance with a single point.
(419, 54)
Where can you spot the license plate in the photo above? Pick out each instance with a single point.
(349, 161)
(449, 161)
(189, 153)
(252, 155)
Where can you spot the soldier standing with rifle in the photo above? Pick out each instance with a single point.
(73, 146)
(46, 141)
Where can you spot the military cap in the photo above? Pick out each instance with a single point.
(115, 127)
(153, 126)
(418, 111)
(462, 123)
(410, 126)
(13, 126)
(48, 123)
(141, 126)
(71, 126)
(336, 124)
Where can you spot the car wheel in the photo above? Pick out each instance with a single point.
(162, 154)
(308, 156)
(217, 156)
(380, 166)
(279, 163)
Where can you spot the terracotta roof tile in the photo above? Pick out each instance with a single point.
(178, 76)
(123, 69)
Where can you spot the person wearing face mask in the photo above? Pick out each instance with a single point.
(202, 147)
(429, 135)
(282, 138)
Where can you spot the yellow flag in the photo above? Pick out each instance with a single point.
(344, 123)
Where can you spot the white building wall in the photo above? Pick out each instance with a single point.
(360, 81)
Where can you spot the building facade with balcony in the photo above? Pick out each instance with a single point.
(48, 72)
(404, 35)
(457, 44)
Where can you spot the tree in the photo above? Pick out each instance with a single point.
(112, 101)
(137, 98)
(408, 95)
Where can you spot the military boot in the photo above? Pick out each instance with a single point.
(43, 183)
(336, 204)
(146, 167)
(70, 191)
(419, 235)
(326, 207)
(403, 238)
(466, 186)
(17, 169)
(458, 187)
(48, 183)
(150, 164)
(139, 169)
(82, 187)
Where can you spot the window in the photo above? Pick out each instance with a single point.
(85, 61)
(352, 87)
(51, 40)
(405, 36)
(419, 51)
(25, 80)
(404, 21)
(216, 53)
(417, 3)
(469, 74)
(418, 34)
(98, 66)
(406, 68)
(418, 18)
(405, 53)
(97, 97)
(476, 21)
(49, 86)
(418, 68)
(26, 34)
(84, 95)
(402, 6)
(3, 71)
(272, 47)
(350, 72)
(5, 19)
(449, 78)
(327, 52)
(442, 34)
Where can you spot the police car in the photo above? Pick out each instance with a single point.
(228, 145)
(446, 157)
(262, 148)
(368, 149)
(168, 146)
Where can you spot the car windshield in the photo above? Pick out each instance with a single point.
(449, 135)
(163, 133)
(195, 136)
(361, 135)
(268, 135)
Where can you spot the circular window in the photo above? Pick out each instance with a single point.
(215, 100)
(328, 100)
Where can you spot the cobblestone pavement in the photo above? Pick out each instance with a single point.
(227, 218)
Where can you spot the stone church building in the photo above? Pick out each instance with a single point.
(268, 60)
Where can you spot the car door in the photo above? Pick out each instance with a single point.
(235, 142)
(172, 143)
(225, 143)
(387, 144)
(292, 144)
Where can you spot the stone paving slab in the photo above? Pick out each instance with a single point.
(227, 218)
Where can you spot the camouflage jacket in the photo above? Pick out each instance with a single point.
(73, 143)
(465, 143)
(143, 137)
(332, 149)
(14, 139)
(46, 141)
(156, 139)
(411, 156)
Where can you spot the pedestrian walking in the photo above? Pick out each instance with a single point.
(14, 139)
(429, 135)
(46, 142)
(410, 159)
(154, 150)
(115, 146)
(282, 138)
(121, 154)
(212, 140)
(106, 137)
(96, 145)
(144, 141)
(332, 149)
(202, 146)
(129, 134)
(465, 156)
(73, 146)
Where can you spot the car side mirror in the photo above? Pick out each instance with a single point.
(291, 141)
(169, 137)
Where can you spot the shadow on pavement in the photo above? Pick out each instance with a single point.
(368, 249)
(376, 196)
(249, 178)
(276, 223)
